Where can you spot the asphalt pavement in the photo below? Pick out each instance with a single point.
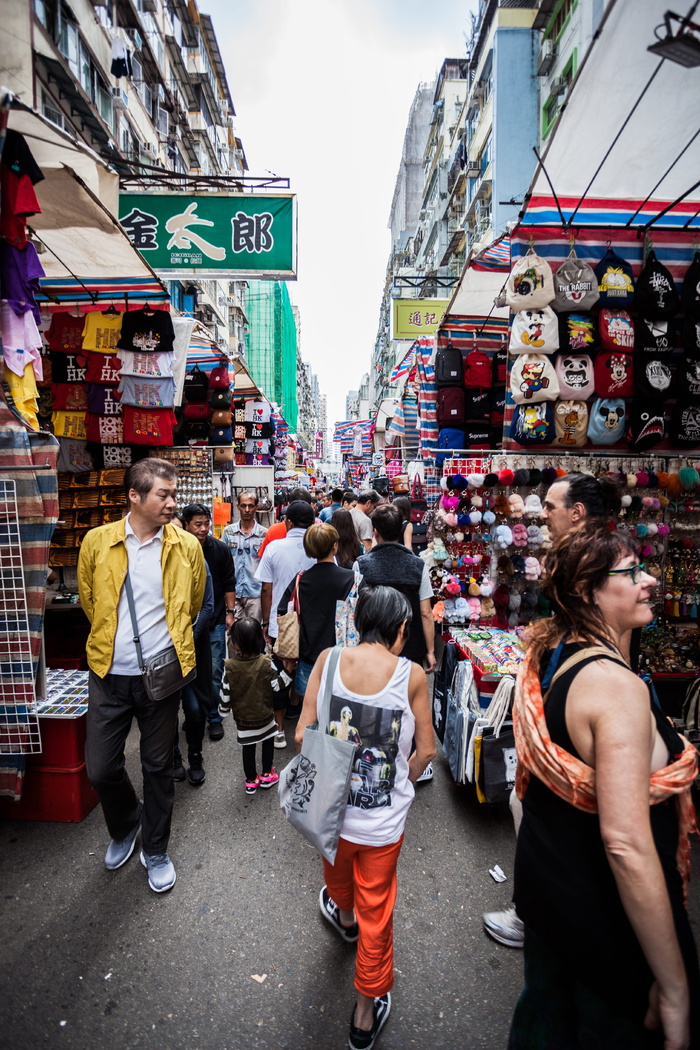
(237, 955)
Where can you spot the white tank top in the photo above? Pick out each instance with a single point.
(382, 728)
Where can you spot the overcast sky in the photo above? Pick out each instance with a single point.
(322, 91)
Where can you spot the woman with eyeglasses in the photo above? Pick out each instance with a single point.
(603, 851)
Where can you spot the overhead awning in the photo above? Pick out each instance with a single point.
(625, 146)
(475, 293)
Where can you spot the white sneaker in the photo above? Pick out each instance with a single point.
(427, 774)
(505, 927)
(280, 739)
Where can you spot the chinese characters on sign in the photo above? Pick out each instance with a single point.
(213, 233)
(414, 317)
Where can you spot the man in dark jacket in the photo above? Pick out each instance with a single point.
(390, 564)
(197, 519)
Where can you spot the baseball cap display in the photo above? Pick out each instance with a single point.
(684, 427)
(690, 292)
(532, 378)
(578, 333)
(606, 425)
(533, 424)
(530, 285)
(614, 374)
(647, 424)
(655, 294)
(615, 284)
(616, 330)
(575, 286)
(575, 375)
(653, 377)
(570, 423)
(534, 331)
(653, 335)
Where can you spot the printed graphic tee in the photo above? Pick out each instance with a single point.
(101, 331)
(66, 332)
(147, 393)
(148, 332)
(381, 726)
(155, 366)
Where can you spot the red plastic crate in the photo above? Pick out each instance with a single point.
(63, 742)
(49, 793)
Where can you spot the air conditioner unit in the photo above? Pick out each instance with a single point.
(148, 149)
(472, 170)
(558, 86)
(120, 99)
(478, 92)
(224, 105)
(135, 38)
(548, 54)
(149, 5)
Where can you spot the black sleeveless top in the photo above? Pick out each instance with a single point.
(564, 887)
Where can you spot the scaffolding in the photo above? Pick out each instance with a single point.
(271, 345)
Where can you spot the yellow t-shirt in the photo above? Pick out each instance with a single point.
(69, 424)
(22, 388)
(101, 331)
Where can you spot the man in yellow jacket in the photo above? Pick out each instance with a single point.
(167, 573)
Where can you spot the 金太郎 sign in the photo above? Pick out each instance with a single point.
(413, 317)
(213, 234)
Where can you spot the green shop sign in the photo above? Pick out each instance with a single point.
(213, 235)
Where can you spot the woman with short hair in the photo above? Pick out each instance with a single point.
(603, 849)
(379, 700)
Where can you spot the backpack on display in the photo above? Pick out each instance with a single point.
(534, 332)
(532, 378)
(654, 335)
(220, 436)
(575, 375)
(616, 330)
(690, 292)
(221, 417)
(571, 424)
(530, 285)
(656, 295)
(647, 425)
(533, 424)
(614, 374)
(575, 286)
(578, 333)
(448, 366)
(197, 430)
(196, 410)
(196, 385)
(652, 377)
(615, 283)
(450, 405)
(477, 368)
(219, 378)
(606, 423)
(449, 439)
(684, 427)
(219, 399)
(477, 404)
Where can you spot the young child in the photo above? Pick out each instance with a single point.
(248, 686)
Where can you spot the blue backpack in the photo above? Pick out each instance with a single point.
(449, 438)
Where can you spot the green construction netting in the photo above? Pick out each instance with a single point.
(271, 345)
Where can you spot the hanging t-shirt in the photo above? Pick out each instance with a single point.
(21, 340)
(66, 332)
(68, 368)
(260, 447)
(18, 202)
(101, 400)
(102, 369)
(74, 456)
(110, 455)
(156, 366)
(147, 393)
(21, 271)
(69, 424)
(257, 412)
(150, 332)
(69, 397)
(105, 430)
(148, 426)
(101, 331)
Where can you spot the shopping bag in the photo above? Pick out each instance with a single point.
(419, 504)
(346, 632)
(313, 788)
(496, 777)
(286, 644)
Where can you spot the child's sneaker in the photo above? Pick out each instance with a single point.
(267, 780)
(251, 786)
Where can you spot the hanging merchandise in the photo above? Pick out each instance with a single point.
(690, 292)
(607, 422)
(688, 378)
(196, 384)
(653, 377)
(534, 331)
(148, 331)
(148, 426)
(684, 428)
(654, 336)
(136, 363)
(450, 405)
(103, 370)
(647, 425)
(616, 330)
(614, 374)
(575, 375)
(615, 281)
(655, 294)
(219, 378)
(575, 286)
(570, 424)
(530, 285)
(147, 393)
(691, 336)
(578, 333)
(477, 368)
(121, 59)
(533, 424)
(448, 366)
(101, 331)
(533, 379)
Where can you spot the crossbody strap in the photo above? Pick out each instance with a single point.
(132, 614)
(584, 654)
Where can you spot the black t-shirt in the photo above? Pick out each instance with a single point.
(320, 588)
(223, 576)
(147, 331)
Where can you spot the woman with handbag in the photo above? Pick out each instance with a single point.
(603, 851)
(379, 701)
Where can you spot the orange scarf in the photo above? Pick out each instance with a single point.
(574, 781)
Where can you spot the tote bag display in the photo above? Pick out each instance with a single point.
(530, 285)
(313, 788)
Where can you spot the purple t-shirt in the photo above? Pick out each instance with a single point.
(21, 271)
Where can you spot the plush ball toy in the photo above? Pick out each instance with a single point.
(450, 503)
(475, 517)
(477, 501)
(473, 588)
(546, 537)
(475, 481)
(532, 569)
(489, 517)
(519, 535)
(504, 565)
(535, 477)
(451, 521)
(461, 610)
(529, 601)
(502, 537)
(534, 537)
(443, 483)
(452, 587)
(516, 505)
(474, 608)
(490, 480)
(521, 476)
(518, 566)
(459, 482)
(488, 609)
(533, 506)
(485, 587)
(626, 500)
(505, 477)
(501, 506)
(514, 601)
(549, 476)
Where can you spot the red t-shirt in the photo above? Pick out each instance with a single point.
(66, 332)
(18, 201)
(276, 532)
(148, 426)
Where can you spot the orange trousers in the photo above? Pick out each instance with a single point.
(364, 878)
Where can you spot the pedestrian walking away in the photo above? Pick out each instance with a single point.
(248, 689)
(197, 521)
(379, 701)
(167, 573)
